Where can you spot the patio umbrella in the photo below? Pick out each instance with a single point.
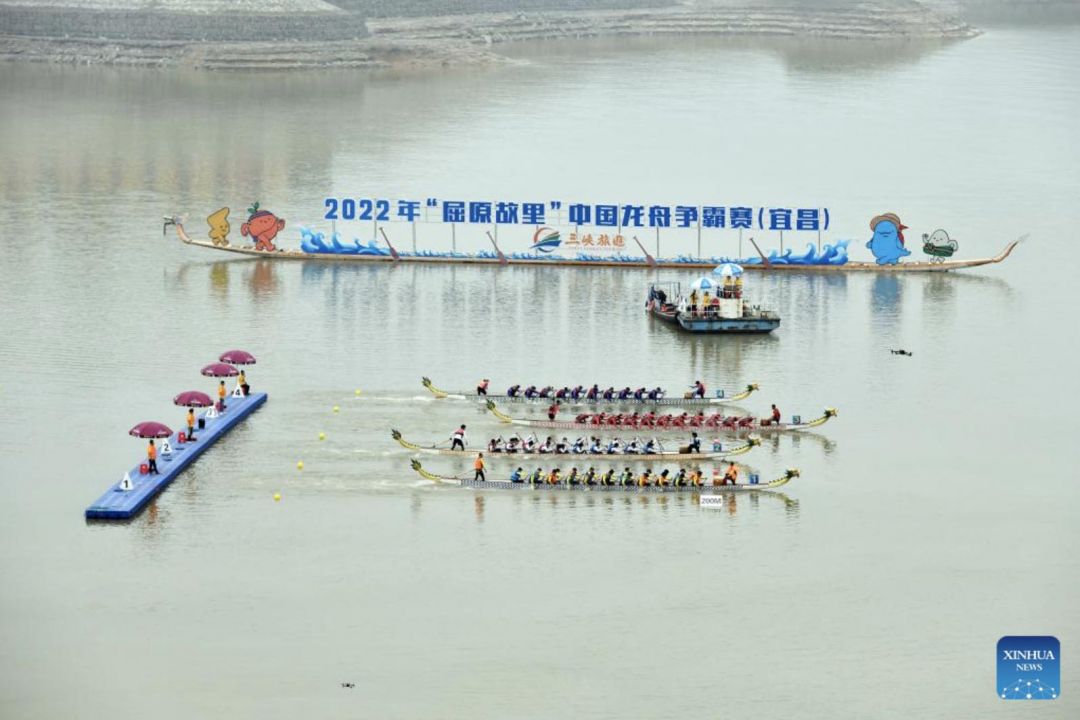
(237, 357)
(193, 398)
(728, 270)
(219, 370)
(150, 429)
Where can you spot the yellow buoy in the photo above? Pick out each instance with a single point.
(299, 464)
(336, 408)
(322, 436)
(357, 392)
(277, 497)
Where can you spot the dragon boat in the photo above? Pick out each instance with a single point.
(389, 255)
(467, 482)
(665, 455)
(551, 396)
(716, 422)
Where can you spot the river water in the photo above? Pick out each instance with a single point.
(936, 514)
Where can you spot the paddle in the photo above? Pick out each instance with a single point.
(502, 258)
(393, 252)
(763, 257)
(649, 259)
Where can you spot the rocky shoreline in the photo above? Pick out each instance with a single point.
(340, 38)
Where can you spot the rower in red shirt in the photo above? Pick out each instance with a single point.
(553, 410)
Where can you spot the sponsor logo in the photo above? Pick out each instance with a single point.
(1028, 667)
(546, 240)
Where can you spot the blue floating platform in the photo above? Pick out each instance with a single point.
(119, 504)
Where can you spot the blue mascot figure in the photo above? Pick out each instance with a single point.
(887, 244)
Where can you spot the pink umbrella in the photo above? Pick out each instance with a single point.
(237, 357)
(219, 370)
(193, 398)
(150, 429)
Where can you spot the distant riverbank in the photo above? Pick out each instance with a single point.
(362, 35)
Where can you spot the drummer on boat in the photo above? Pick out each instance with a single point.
(481, 388)
(774, 418)
(699, 390)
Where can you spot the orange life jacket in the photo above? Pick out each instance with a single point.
(151, 452)
(479, 464)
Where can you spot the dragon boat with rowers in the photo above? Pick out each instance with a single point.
(519, 449)
(664, 481)
(593, 394)
(653, 422)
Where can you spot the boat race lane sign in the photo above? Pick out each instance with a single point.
(1028, 667)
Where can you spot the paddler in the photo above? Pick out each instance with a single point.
(731, 475)
(457, 439)
(554, 410)
(562, 447)
(221, 393)
(608, 478)
(191, 425)
(627, 477)
(151, 458)
(517, 476)
(513, 391)
(645, 479)
(529, 445)
(553, 477)
(536, 476)
(696, 478)
(578, 448)
(680, 478)
(662, 478)
(589, 478)
(594, 447)
(594, 392)
(481, 388)
(572, 478)
(478, 468)
(699, 390)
